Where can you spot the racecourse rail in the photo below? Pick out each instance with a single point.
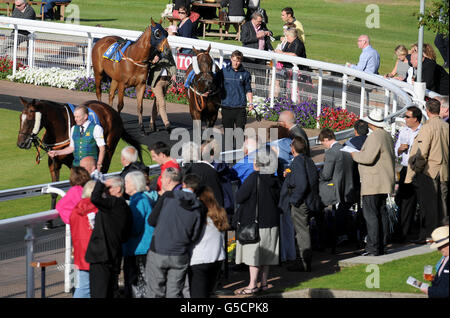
(402, 93)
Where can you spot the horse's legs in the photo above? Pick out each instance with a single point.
(112, 92)
(54, 166)
(140, 90)
(121, 93)
(212, 120)
(98, 83)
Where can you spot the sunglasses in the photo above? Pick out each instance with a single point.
(406, 116)
(181, 12)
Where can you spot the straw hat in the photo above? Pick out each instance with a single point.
(440, 237)
(375, 117)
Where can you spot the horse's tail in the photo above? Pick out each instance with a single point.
(132, 141)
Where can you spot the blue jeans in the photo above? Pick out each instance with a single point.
(83, 290)
(48, 8)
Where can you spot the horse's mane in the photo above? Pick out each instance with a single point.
(142, 34)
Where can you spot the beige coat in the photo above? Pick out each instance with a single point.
(376, 163)
(429, 152)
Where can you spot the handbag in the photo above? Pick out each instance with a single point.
(249, 234)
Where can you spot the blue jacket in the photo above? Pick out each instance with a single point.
(244, 167)
(142, 232)
(234, 86)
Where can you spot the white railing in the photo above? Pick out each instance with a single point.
(402, 93)
(221, 51)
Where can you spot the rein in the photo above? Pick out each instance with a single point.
(199, 95)
(202, 97)
(40, 145)
(124, 57)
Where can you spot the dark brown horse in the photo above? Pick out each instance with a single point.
(204, 93)
(57, 119)
(132, 70)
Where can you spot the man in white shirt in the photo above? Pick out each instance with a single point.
(86, 139)
(406, 197)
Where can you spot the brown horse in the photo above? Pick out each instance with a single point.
(132, 70)
(57, 119)
(204, 93)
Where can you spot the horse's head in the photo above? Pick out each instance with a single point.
(204, 68)
(30, 123)
(158, 37)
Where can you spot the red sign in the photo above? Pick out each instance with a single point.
(183, 61)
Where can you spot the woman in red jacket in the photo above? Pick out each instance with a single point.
(82, 222)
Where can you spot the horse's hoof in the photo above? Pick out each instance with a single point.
(168, 128)
(143, 133)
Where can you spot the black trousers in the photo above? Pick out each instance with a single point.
(103, 279)
(234, 117)
(375, 214)
(406, 200)
(133, 273)
(432, 197)
(202, 279)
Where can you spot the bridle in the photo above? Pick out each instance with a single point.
(153, 45)
(41, 145)
(199, 98)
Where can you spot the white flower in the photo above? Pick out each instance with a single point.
(54, 77)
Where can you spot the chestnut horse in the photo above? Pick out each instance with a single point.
(204, 91)
(57, 119)
(132, 70)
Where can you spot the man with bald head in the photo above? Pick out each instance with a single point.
(90, 164)
(369, 60)
(287, 120)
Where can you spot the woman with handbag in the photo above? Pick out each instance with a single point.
(258, 219)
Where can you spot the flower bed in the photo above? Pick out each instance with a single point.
(175, 94)
(6, 66)
(76, 80)
(305, 113)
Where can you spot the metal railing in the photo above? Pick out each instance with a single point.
(87, 34)
(397, 96)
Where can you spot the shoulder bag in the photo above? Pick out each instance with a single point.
(249, 234)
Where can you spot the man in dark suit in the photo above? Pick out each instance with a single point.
(255, 34)
(336, 183)
(299, 197)
(287, 120)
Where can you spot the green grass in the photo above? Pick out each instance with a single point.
(19, 169)
(331, 27)
(393, 276)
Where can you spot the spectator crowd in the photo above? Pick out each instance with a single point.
(167, 234)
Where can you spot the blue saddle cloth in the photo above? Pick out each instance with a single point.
(189, 79)
(113, 52)
(92, 116)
